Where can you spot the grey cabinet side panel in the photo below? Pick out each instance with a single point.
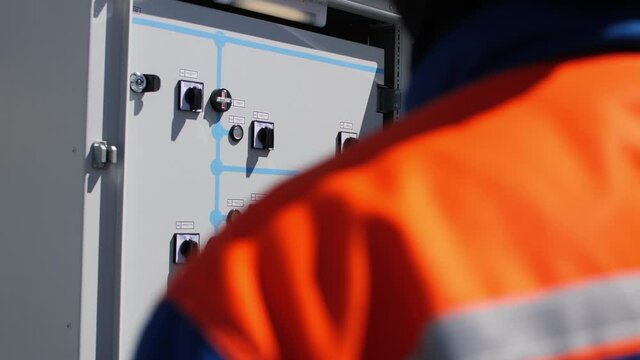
(102, 199)
(43, 67)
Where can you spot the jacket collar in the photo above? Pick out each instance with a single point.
(518, 33)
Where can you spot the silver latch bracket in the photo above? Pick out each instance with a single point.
(103, 154)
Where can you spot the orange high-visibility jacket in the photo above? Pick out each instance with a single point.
(500, 222)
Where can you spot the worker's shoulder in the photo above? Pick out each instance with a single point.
(489, 129)
(380, 163)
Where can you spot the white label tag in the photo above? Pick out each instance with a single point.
(237, 120)
(188, 225)
(260, 115)
(236, 203)
(191, 74)
(346, 125)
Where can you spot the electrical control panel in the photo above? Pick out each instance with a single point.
(245, 105)
(167, 120)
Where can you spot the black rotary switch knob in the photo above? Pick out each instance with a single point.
(193, 97)
(236, 133)
(221, 100)
(350, 142)
(188, 248)
(233, 215)
(265, 135)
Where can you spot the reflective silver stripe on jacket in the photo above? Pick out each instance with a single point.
(558, 323)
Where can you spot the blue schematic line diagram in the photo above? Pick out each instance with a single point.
(218, 131)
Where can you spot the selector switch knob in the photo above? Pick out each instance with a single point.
(185, 246)
(233, 216)
(346, 140)
(350, 142)
(263, 135)
(189, 248)
(221, 100)
(236, 133)
(190, 96)
(193, 97)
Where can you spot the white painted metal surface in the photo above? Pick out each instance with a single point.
(181, 166)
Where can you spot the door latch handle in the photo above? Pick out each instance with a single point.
(103, 154)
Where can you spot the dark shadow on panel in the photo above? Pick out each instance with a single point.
(252, 159)
(98, 7)
(138, 102)
(114, 113)
(372, 121)
(253, 155)
(93, 175)
(211, 115)
(173, 268)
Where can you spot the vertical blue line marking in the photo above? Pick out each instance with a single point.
(218, 130)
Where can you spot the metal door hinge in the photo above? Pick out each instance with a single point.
(389, 99)
(103, 154)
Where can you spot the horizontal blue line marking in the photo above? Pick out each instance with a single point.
(256, 45)
(174, 28)
(260, 171)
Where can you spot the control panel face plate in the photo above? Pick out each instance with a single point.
(182, 167)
